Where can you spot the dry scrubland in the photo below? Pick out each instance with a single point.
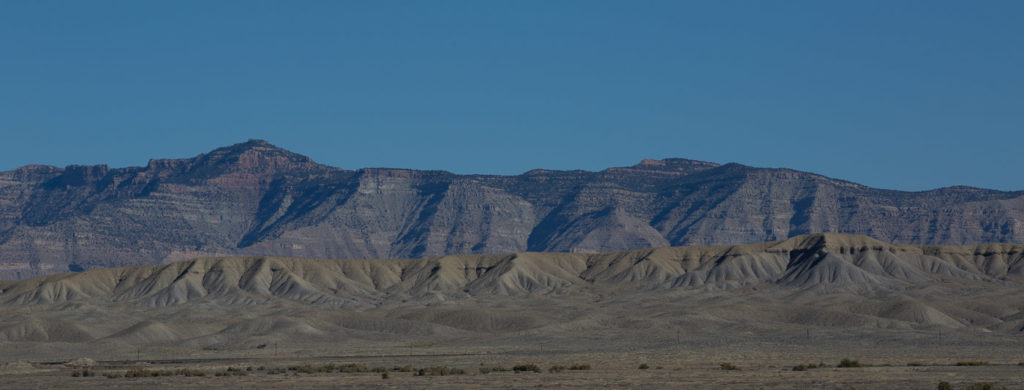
(618, 370)
(907, 314)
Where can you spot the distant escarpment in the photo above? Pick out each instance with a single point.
(256, 199)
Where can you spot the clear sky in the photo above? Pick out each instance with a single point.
(908, 95)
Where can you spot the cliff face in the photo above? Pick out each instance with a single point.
(256, 199)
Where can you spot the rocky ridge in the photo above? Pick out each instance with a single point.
(257, 199)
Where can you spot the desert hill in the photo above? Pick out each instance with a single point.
(255, 199)
(832, 281)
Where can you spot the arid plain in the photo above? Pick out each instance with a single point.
(910, 316)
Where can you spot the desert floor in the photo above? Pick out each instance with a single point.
(892, 360)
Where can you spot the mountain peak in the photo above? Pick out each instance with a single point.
(254, 152)
(251, 145)
(254, 156)
(254, 142)
(674, 166)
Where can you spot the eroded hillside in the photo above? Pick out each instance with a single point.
(826, 280)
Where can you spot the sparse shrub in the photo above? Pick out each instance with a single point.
(848, 363)
(944, 386)
(984, 386)
(331, 367)
(659, 368)
(141, 373)
(112, 375)
(805, 367)
(579, 367)
(380, 369)
(488, 370)
(643, 366)
(352, 367)
(915, 364)
(972, 363)
(384, 375)
(526, 367)
(556, 368)
(403, 369)
(189, 372)
(76, 373)
(729, 366)
(437, 370)
(304, 369)
(440, 371)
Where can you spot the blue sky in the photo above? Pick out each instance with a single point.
(908, 95)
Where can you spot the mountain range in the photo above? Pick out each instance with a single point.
(256, 199)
